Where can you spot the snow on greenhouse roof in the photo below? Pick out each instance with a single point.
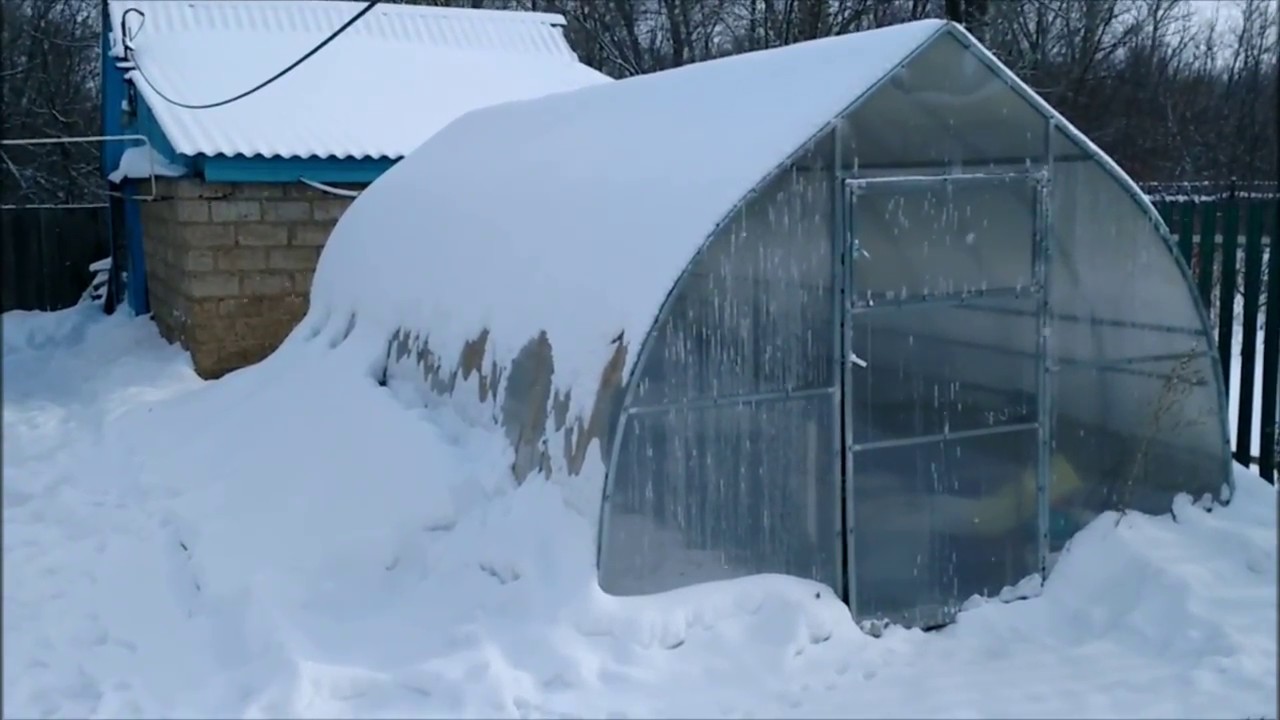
(397, 76)
(575, 213)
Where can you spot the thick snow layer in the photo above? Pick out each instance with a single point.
(144, 162)
(291, 541)
(586, 205)
(396, 77)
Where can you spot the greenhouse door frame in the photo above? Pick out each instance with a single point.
(851, 250)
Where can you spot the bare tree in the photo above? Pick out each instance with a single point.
(1172, 97)
(50, 74)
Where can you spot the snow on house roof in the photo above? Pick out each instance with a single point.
(599, 199)
(397, 76)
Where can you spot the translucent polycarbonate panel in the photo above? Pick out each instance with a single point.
(935, 238)
(1112, 339)
(938, 522)
(755, 311)
(714, 493)
(1132, 437)
(1078, 339)
(931, 368)
(1110, 264)
(1138, 406)
(945, 107)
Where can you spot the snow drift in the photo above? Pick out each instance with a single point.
(293, 541)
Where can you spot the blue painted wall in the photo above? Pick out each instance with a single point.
(135, 264)
(113, 95)
(145, 124)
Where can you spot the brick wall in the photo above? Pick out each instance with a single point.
(229, 266)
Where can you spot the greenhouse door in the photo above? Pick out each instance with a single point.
(944, 438)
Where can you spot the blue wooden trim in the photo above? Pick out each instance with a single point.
(287, 170)
(136, 263)
(141, 122)
(148, 126)
(112, 97)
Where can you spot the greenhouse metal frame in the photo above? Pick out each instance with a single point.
(854, 187)
(862, 310)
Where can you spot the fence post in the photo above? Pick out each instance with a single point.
(42, 258)
(1186, 231)
(1208, 245)
(1230, 280)
(1271, 354)
(1249, 348)
(1163, 208)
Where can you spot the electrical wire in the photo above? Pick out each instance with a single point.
(332, 36)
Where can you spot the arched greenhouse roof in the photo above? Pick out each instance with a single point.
(660, 287)
(575, 213)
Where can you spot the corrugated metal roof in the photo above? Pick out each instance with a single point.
(396, 77)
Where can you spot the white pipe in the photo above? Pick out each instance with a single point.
(330, 189)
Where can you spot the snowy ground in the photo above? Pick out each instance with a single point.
(291, 541)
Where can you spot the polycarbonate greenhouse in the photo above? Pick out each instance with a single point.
(864, 310)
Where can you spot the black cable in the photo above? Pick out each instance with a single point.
(333, 36)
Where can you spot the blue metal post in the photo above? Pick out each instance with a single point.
(136, 284)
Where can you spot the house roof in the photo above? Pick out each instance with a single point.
(393, 79)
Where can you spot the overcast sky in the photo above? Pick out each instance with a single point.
(1227, 11)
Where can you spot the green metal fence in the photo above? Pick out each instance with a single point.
(1227, 238)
